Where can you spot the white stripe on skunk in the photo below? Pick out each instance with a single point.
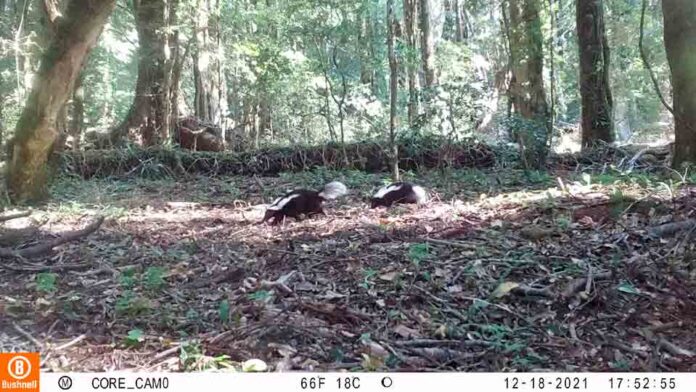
(389, 188)
(303, 201)
(280, 202)
(399, 192)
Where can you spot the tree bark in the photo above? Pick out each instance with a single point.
(680, 44)
(427, 43)
(393, 90)
(36, 132)
(78, 113)
(410, 28)
(207, 64)
(527, 82)
(597, 103)
(145, 122)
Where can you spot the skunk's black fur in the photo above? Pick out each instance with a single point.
(398, 192)
(303, 201)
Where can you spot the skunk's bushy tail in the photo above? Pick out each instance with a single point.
(333, 190)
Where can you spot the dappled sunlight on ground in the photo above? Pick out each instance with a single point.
(484, 277)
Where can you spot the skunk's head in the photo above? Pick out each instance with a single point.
(376, 202)
(268, 215)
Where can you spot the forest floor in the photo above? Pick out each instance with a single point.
(500, 271)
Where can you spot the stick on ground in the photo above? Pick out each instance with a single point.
(46, 247)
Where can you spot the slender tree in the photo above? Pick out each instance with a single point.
(527, 83)
(597, 103)
(209, 95)
(427, 43)
(393, 89)
(77, 31)
(410, 29)
(680, 43)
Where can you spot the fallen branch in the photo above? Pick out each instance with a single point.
(671, 228)
(674, 349)
(527, 291)
(46, 247)
(581, 283)
(15, 216)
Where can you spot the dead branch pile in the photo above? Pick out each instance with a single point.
(366, 156)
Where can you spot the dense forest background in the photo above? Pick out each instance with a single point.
(269, 73)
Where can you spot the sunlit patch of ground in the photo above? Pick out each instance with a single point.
(490, 275)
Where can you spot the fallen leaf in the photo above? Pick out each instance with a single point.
(389, 276)
(254, 365)
(504, 288)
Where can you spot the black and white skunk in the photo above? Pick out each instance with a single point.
(399, 192)
(303, 201)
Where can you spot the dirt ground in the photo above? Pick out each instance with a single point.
(500, 271)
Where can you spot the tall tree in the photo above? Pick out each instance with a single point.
(410, 29)
(527, 82)
(76, 33)
(209, 83)
(427, 42)
(393, 89)
(597, 103)
(146, 120)
(680, 43)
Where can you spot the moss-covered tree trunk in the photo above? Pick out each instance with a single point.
(145, 122)
(527, 82)
(597, 104)
(76, 33)
(680, 43)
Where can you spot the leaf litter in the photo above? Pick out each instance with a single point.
(495, 274)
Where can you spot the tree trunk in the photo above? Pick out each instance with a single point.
(680, 43)
(410, 27)
(145, 122)
(393, 85)
(527, 83)
(207, 64)
(597, 105)
(78, 113)
(427, 43)
(77, 33)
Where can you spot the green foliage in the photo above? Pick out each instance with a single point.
(417, 253)
(46, 282)
(224, 311)
(261, 295)
(154, 278)
(134, 337)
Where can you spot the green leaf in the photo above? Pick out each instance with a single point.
(261, 295)
(46, 282)
(134, 337)
(628, 288)
(224, 310)
(418, 252)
